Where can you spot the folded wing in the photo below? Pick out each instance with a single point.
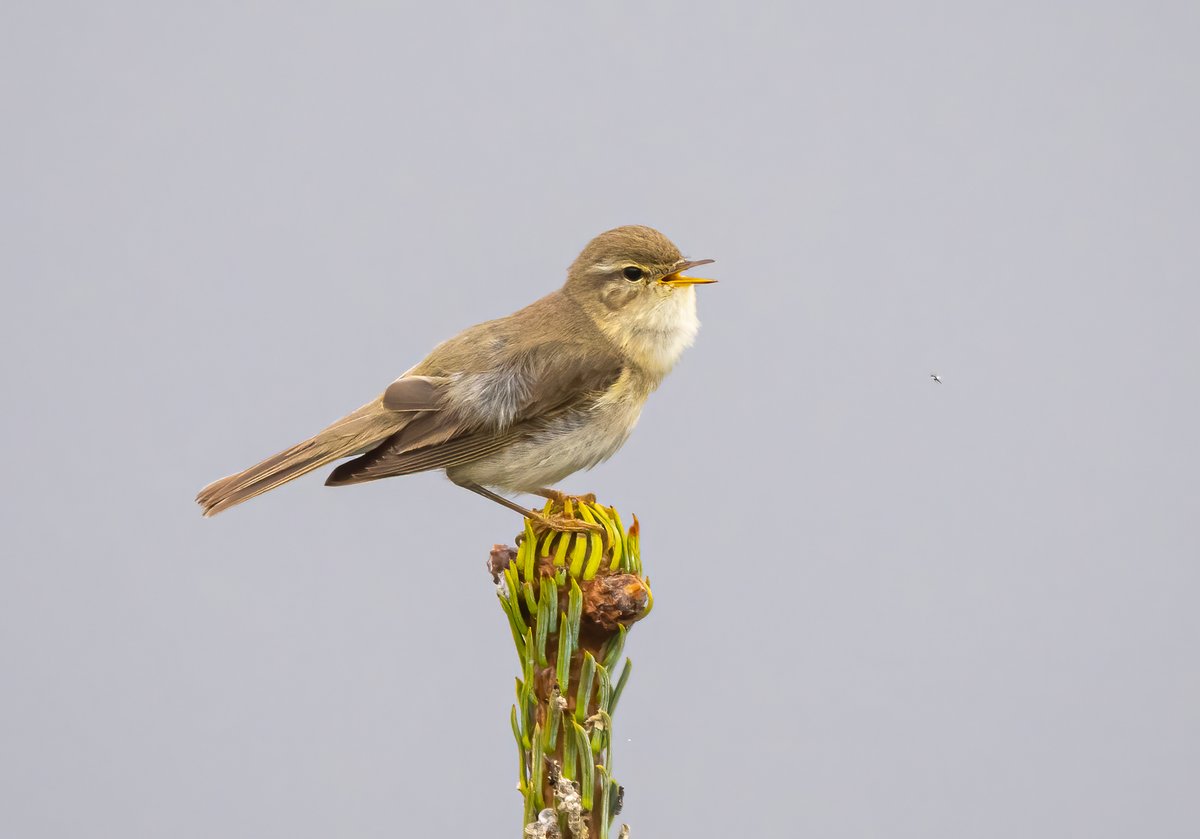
(466, 416)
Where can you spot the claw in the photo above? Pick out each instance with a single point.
(564, 524)
(563, 498)
(566, 513)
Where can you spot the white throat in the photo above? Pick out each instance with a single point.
(655, 336)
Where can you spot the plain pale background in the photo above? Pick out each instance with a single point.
(884, 607)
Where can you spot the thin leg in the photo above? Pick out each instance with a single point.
(499, 499)
(554, 523)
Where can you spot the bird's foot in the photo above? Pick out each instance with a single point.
(567, 513)
(562, 522)
(562, 498)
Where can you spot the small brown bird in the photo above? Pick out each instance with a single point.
(517, 404)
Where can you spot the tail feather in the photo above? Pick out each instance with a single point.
(279, 469)
(349, 436)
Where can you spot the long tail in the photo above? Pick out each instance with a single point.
(351, 435)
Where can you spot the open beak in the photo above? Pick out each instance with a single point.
(676, 277)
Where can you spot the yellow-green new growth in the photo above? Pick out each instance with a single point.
(569, 598)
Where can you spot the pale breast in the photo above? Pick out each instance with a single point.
(568, 442)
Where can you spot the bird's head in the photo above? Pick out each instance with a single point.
(631, 281)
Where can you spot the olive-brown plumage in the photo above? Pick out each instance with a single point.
(516, 404)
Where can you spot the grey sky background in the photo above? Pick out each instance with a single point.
(884, 608)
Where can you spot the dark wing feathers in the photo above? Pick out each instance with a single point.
(386, 461)
(427, 429)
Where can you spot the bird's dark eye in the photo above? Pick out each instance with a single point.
(632, 273)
